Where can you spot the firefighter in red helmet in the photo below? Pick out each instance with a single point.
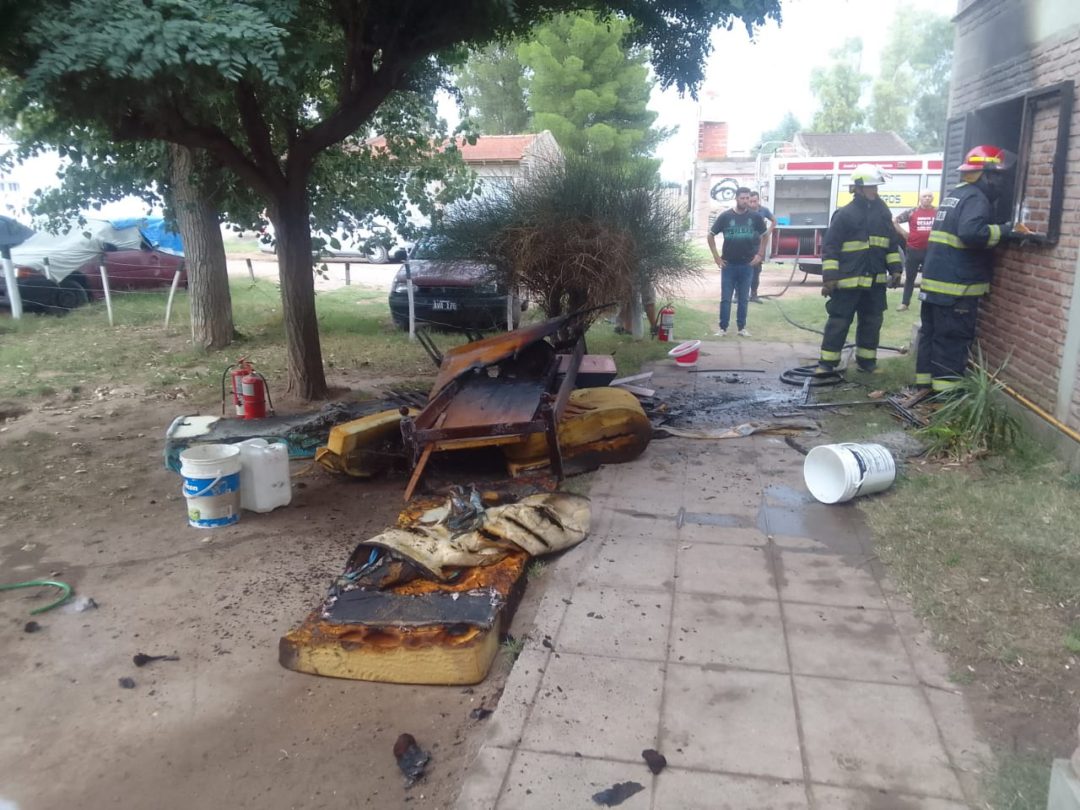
(958, 266)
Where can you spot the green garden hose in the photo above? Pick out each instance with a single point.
(42, 583)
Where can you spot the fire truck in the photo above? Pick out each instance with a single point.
(803, 193)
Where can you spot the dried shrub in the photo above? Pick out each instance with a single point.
(579, 234)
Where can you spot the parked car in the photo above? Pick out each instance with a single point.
(61, 273)
(377, 244)
(452, 293)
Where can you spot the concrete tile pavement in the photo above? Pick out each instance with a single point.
(722, 617)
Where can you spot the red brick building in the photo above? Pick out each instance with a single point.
(1014, 68)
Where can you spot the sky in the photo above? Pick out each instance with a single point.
(752, 84)
(749, 84)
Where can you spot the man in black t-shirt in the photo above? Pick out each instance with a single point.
(742, 231)
(770, 223)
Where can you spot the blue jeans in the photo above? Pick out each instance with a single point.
(735, 278)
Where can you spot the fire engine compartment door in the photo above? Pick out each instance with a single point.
(803, 200)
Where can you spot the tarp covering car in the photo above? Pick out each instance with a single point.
(67, 252)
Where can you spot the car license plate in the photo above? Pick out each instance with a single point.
(444, 306)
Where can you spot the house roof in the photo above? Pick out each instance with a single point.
(854, 144)
(498, 147)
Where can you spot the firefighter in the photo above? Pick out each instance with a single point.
(861, 257)
(956, 273)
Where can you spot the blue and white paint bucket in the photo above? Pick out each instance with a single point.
(211, 474)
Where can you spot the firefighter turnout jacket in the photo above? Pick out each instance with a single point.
(959, 258)
(861, 246)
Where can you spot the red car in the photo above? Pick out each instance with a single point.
(61, 273)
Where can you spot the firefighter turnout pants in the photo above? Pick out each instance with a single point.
(843, 306)
(945, 339)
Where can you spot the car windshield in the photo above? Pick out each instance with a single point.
(429, 248)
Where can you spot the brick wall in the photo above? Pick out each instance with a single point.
(1025, 317)
(712, 140)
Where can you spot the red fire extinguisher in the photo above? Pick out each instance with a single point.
(253, 393)
(665, 323)
(248, 389)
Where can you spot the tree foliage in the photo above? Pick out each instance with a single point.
(588, 85)
(839, 88)
(771, 139)
(582, 233)
(490, 82)
(267, 87)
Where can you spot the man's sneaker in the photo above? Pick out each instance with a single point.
(744, 333)
(754, 299)
(902, 308)
(869, 369)
(720, 333)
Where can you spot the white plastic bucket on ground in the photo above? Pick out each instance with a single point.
(264, 475)
(835, 473)
(686, 354)
(211, 474)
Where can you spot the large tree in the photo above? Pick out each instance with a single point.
(589, 85)
(490, 82)
(838, 89)
(266, 87)
(910, 94)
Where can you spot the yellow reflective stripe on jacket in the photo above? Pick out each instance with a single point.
(881, 278)
(851, 247)
(831, 357)
(995, 236)
(923, 379)
(866, 354)
(944, 383)
(853, 282)
(892, 257)
(949, 288)
(942, 238)
(830, 264)
(879, 241)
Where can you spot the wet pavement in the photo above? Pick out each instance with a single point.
(746, 632)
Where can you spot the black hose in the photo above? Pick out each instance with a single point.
(898, 350)
(799, 375)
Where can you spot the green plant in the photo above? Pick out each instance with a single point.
(1019, 783)
(535, 570)
(511, 647)
(971, 420)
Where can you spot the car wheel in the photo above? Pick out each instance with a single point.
(378, 255)
(70, 294)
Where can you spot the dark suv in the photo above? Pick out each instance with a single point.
(451, 293)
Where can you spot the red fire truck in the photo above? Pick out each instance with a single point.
(803, 193)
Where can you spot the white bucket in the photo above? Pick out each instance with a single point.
(264, 476)
(211, 474)
(835, 473)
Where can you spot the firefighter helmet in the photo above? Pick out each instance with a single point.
(867, 174)
(986, 158)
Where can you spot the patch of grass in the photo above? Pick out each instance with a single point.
(535, 570)
(991, 557)
(1072, 639)
(511, 648)
(41, 355)
(1019, 783)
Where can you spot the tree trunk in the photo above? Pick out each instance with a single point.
(204, 255)
(292, 227)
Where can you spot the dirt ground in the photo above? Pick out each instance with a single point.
(86, 499)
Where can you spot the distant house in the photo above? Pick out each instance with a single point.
(1015, 65)
(510, 158)
(716, 176)
(851, 144)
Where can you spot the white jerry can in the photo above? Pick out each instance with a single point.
(264, 475)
